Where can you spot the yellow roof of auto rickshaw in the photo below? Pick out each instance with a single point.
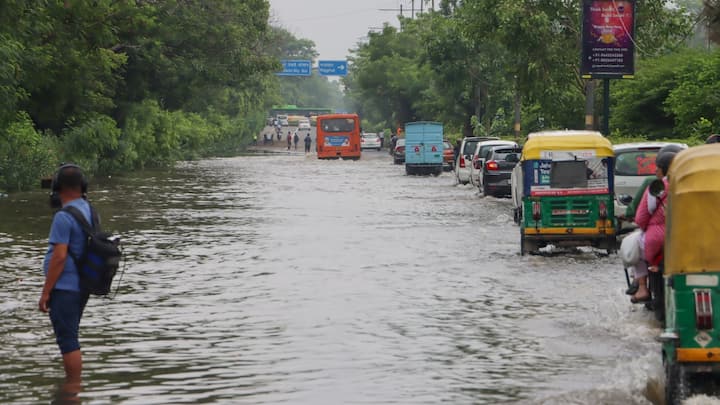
(569, 140)
(692, 234)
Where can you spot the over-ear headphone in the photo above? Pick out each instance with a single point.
(55, 186)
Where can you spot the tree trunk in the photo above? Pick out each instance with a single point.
(481, 102)
(517, 106)
(590, 104)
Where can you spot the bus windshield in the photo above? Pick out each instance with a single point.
(338, 125)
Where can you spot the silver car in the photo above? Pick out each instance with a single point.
(370, 141)
(633, 163)
(463, 163)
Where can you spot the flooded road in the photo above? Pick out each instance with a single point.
(283, 279)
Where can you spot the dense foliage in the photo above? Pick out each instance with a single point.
(478, 65)
(125, 84)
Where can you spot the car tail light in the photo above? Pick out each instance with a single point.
(401, 149)
(462, 162)
(475, 162)
(602, 210)
(492, 165)
(703, 310)
(536, 210)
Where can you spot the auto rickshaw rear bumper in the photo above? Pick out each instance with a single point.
(696, 355)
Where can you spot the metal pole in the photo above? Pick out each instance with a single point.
(401, 13)
(606, 107)
(422, 3)
(412, 15)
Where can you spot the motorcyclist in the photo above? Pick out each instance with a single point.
(650, 218)
(393, 143)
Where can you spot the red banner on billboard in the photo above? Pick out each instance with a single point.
(608, 46)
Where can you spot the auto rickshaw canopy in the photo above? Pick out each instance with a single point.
(566, 141)
(692, 234)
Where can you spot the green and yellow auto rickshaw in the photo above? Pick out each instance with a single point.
(690, 341)
(563, 191)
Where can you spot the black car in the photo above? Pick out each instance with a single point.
(497, 169)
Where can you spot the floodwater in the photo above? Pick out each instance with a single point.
(284, 279)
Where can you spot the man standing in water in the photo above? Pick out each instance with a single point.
(289, 140)
(296, 139)
(308, 142)
(61, 295)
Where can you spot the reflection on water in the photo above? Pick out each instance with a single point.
(283, 279)
(67, 393)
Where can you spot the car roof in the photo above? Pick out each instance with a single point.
(497, 142)
(566, 132)
(480, 138)
(637, 145)
(498, 147)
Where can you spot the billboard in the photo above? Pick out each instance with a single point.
(608, 39)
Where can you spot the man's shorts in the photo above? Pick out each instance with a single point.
(66, 309)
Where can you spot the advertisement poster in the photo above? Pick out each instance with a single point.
(337, 140)
(608, 31)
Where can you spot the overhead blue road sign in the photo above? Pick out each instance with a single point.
(332, 67)
(296, 68)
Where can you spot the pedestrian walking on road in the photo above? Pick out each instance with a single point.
(289, 140)
(296, 139)
(308, 143)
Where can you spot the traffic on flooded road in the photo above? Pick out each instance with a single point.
(387, 202)
(288, 279)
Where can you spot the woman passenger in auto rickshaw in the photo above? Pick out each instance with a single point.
(650, 218)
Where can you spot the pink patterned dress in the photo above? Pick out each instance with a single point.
(653, 225)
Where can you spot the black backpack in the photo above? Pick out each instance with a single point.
(101, 255)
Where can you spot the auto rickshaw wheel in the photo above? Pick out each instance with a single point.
(526, 246)
(657, 291)
(676, 384)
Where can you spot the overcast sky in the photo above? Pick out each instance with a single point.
(335, 25)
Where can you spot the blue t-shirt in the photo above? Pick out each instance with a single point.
(66, 230)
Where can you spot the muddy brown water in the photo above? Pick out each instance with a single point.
(283, 279)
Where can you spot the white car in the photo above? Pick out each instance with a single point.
(463, 162)
(633, 163)
(370, 141)
(477, 158)
(304, 125)
(283, 120)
